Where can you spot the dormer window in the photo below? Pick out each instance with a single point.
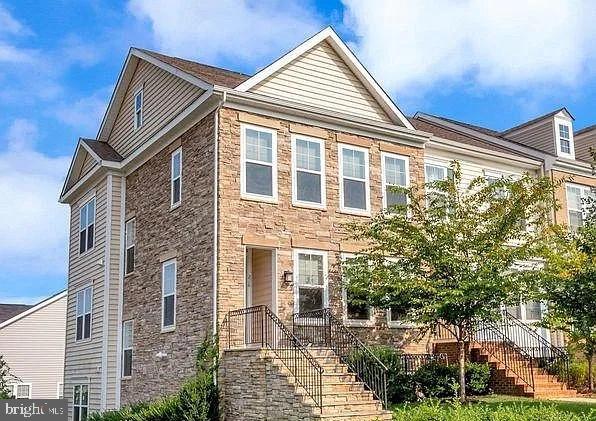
(565, 142)
(138, 117)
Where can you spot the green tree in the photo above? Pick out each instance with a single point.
(5, 378)
(449, 257)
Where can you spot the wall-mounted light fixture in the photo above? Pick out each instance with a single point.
(288, 276)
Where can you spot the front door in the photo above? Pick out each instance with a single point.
(260, 289)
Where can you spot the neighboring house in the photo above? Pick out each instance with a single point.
(208, 191)
(32, 343)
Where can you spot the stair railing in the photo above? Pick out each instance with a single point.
(320, 328)
(553, 361)
(258, 327)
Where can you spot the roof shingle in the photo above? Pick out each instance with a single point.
(8, 311)
(104, 150)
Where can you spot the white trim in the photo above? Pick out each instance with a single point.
(172, 327)
(88, 385)
(60, 389)
(329, 35)
(274, 280)
(173, 179)
(557, 122)
(342, 208)
(120, 288)
(138, 92)
(106, 293)
(273, 164)
(384, 184)
(15, 388)
(584, 191)
(297, 285)
(35, 308)
(130, 348)
(82, 290)
(321, 172)
(132, 221)
(215, 217)
(344, 299)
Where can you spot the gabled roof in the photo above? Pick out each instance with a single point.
(210, 74)
(8, 311)
(33, 309)
(585, 130)
(536, 120)
(103, 150)
(330, 36)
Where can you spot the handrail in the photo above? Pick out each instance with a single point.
(259, 326)
(321, 328)
(553, 360)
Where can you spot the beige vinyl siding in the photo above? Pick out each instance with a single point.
(83, 358)
(33, 347)
(164, 96)
(88, 164)
(321, 78)
(583, 143)
(540, 136)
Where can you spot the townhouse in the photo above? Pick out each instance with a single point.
(208, 191)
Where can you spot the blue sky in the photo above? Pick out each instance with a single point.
(490, 63)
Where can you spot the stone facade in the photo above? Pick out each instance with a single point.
(256, 389)
(285, 227)
(186, 234)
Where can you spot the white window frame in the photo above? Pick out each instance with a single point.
(383, 173)
(585, 191)
(398, 323)
(173, 179)
(140, 110)
(90, 312)
(342, 208)
(297, 271)
(253, 196)
(84, 206)
(571, 154)
(344, 297)
(15, 388)
(172, 327)
(127, 348)
(295, 169)
(80, 405)
(60, 390)
(127, 246)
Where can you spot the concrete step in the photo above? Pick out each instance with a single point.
(361, 416)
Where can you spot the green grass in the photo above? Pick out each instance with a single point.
(497, 408)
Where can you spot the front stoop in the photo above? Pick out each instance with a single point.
(507, 382)
(344, 397)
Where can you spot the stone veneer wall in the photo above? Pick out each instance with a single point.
(184, 233)
(256, 389)
(284, 226)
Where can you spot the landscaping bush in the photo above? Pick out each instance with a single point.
(197, 400)
(435, 411)
(436, 380)
(400, 387)
(578, 374)
(477, 378)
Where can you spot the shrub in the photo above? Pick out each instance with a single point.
(477, 378)
(436, 380)
(435, 411)
(578, 374)
(400, 387)
(197, 400)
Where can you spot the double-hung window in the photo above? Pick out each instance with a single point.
(87, 226)
(83, 327)
(395, 174)
(576, 208)
(20, 390)
(176, 178)
(130, 234)
(435, 172)
(310, 280)
(354, 179)
(168, 285)
(355, 310)
(259, 163)
(127, 335)
(80, 402)
(308, 158)
(138, 116)
(564, 139)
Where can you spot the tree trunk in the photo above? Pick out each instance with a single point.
(590, 372)
(461, 345)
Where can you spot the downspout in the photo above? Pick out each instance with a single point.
(106, 296)
(121, 289)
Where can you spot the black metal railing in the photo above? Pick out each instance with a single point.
(321, 329)
(553, 361)
(410, 363)
(259, 327)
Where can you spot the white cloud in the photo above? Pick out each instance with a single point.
(215, 31)
(512, 44)
(9, 24)
(85, 113)
(33, 226)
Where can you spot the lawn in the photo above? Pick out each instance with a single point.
(497, 408)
